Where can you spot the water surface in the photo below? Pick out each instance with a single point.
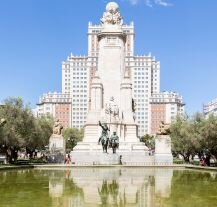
(108, 187)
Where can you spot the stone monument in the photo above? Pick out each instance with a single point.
(163, 154)
(111, 100)
(56, 141)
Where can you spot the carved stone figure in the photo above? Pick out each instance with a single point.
(104, 138)
(112, 15)
(114, 142)
(133, 105)
(112, 110)
(57, 128)
(164, 129)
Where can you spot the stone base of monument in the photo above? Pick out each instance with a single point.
(56, 149)
(127, 154)
(163, 154)
(123, 146)
(130, 154)
(57, 142)
(94, 158)
(163, 159)
(136, 158)
(119, 158)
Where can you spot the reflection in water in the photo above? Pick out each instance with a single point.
(105, 187)
(109, 192)
(108, 187)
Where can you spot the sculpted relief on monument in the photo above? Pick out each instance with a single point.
(57, 128)
(112, 111)
(112, 15)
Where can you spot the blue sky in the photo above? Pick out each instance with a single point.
(37, 35)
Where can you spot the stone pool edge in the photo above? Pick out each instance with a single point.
(104, 166)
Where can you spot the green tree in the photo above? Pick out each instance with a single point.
(18, 128)
(195, 136)
(148, 140)
(40, 135)
(208, 132)
(196, 123)
(181, 136)
(72, 137)
(22, 129)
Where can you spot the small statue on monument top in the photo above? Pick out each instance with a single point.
(112, 14)
(164, 129)
(57, 128)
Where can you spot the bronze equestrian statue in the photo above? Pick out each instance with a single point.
(104, 138)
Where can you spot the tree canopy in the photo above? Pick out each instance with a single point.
(72, 137)
(196, 135)
(22, 129)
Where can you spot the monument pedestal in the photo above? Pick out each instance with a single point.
(56, 148)
(163, 154)
(94, 158)
(57, 143)
(90, 153)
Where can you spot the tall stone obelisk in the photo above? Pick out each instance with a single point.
(111, 88)
(111, 92)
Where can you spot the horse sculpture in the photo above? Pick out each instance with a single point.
(104, 138)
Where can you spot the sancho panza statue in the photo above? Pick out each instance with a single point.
(114, 142)
(57, 128)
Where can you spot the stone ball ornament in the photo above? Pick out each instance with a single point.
(112, 7)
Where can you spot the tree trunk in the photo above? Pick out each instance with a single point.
(207, 160)
(12, 152)
(186, 158)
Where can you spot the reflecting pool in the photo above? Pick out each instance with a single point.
(112, 187)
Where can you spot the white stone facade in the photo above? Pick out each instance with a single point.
(210, 108)
(75, 81)
(165, 106)
(145, 73)
(56, 105)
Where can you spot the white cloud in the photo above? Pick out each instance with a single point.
(151, 3)
(162, 3)
(134, 2)
(148, 3)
